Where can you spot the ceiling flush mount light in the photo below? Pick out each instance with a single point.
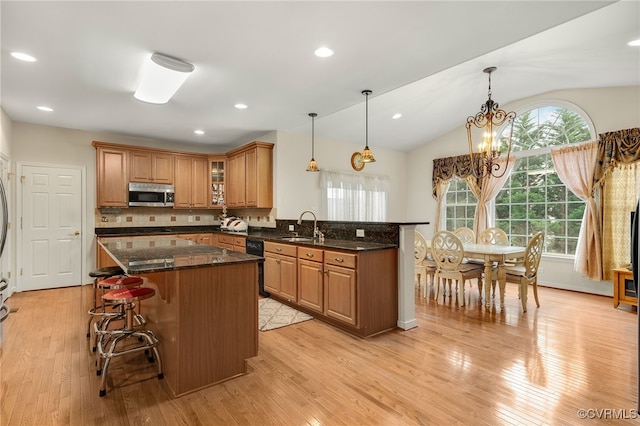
(161, 78)
(485, 159)
(312, 166)
(323, 52)
(45, 108)
(367, 155)
(23, 57)
(240, 106)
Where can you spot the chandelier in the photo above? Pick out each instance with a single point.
(484, 159)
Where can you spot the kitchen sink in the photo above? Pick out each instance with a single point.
(296, 239)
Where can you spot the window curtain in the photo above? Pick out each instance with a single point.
(354, 197)
(575, 166)
(485, 190)
(441, 191)
(617, 176)
(619, 195)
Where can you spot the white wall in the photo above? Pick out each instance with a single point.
(610, 109)
(299, 190)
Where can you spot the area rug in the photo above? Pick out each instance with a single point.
(273, 314)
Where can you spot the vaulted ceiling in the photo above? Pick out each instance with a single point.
(423, 59)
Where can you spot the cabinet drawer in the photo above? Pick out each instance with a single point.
(238, 241)
(285, 249)
(226, 239)
(310, 254)
(337, 258)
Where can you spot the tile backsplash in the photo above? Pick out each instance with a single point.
(143, 216)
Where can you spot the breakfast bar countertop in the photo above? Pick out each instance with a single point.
(158, 253)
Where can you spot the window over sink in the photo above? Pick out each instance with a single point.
(354, 197)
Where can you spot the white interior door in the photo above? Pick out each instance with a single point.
(51, 216)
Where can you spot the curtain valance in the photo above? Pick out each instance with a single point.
(445, 169)
(619, 147)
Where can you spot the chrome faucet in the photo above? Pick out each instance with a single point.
(316, 233)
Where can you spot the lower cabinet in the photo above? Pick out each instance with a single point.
(356, 291)
(231, 242)
(207, 238)
(280, 271)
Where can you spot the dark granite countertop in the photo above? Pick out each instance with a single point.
(263, 234)
(159, 253)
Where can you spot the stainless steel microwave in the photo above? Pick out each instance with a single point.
(150, 195)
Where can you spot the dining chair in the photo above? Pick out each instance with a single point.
(495, 236)
(465, 234)
(448, 254)
(425, 266)
(528, 274)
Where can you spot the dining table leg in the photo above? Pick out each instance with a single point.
(502, 281)
(488, 267)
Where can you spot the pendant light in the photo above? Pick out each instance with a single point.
(485, 161)
(367, 155)
(312, 166)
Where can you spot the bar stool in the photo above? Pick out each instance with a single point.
(109, 284)
(98, 275)
(109, 339)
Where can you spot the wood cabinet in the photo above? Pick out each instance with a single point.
(232, 242)
(207, 238)
(111, 176)
(355, 291)
(190, 181)
(217, 178)
(151, 167)
(311, 279)
(280, 270)
(104, 259)
(250, 176)
(623, 288)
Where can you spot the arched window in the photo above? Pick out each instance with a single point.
(534, 199)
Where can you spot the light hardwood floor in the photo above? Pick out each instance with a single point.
(460, 366)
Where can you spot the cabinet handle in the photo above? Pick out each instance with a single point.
(277, 260)
(338, 259)
(310, 254)
(278, 249)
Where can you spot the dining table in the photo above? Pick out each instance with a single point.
(493, 256)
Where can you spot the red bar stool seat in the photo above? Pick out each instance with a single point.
(106, 317)
(109, 339)
(99, 275)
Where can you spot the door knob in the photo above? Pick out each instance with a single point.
(76, 233)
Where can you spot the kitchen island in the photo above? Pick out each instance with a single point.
(205, 310)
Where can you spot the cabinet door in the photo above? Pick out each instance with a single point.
(140, 166)
(310, 285)
(217, 166)
(112, 176)
(205, 239)
(271, 274)
(162, 168)
(200, 180)
(236, 191)
(104, 259)
(289, 278)
(340, 294)
(251, 177)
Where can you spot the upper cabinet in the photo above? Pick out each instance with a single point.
(111, 176)
(250, 176)
(151, 167)
(217, 196)
(190, 181)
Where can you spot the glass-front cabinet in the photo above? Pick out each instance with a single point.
(217, 181)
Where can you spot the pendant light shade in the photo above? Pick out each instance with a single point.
(312, 166)
(367, 155)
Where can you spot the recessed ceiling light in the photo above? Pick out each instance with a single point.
(240, 106)
(199, 132)
(634, 42)
(45, 108)
(323, 52)
(396, 116)
(23, 57)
